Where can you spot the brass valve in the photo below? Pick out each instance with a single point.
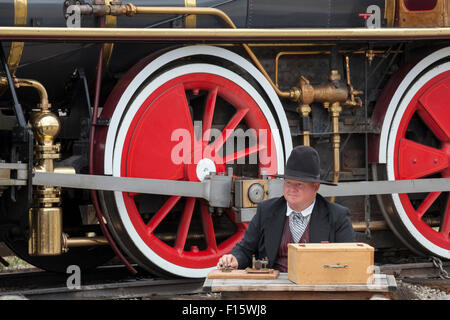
(46, 214)
(332, 91)
(333, 94)
(45, 218)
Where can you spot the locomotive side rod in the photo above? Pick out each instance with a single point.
(217, 189)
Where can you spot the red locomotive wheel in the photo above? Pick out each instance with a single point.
(183, 124)
(415, 160)
(149, 151)
(419, 147)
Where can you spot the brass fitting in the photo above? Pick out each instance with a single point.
(304, 110)
(354, 101)
(45, 231)
(335, 110)
(45, 217)
(332, 91)
(333, 94)
(82, 241)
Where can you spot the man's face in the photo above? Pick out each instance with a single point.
(298, 194)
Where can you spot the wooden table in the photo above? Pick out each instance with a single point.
(284, 289)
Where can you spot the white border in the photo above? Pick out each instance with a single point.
(420, 82)
(173, 55)
(124, 127)
(399, 93)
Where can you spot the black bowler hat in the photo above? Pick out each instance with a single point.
(304, 165)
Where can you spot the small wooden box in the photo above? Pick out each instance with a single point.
(330, 263)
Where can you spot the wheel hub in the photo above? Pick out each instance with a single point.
(204, 167)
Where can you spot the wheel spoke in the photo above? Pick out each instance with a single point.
(227, 131)
(243, 153)
(183, 227)
(208, 228)
(426, 204)
(162, 213)
(417, 160)
(445, 228)
(209, 113)
(433, 109)
(165, 142)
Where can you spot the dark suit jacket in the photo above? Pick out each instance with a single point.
(329, 222)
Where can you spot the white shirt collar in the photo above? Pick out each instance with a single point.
(305, 212)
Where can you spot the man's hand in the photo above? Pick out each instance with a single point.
(227, 260)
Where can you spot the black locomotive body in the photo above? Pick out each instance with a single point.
(137, 90)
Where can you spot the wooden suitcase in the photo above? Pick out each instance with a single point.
(330, 263)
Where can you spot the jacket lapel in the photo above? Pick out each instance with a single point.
(273, 230)
(319, 229)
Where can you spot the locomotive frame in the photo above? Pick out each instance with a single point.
(321, 96)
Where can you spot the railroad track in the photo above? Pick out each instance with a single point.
(112, 282)
(423, 274)
(414, 270)
(115, 282)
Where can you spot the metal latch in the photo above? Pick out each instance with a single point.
(13, 174)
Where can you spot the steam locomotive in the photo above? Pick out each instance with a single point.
(151, 129)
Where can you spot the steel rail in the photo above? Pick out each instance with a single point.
(106, 283)
(215, 34)
(122, 290)
(413, 270)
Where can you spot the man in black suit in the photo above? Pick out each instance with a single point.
(300, 215)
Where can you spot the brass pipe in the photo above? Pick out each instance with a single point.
(382, 225)
(130, 10)
(214, 12)
(371, 54)
(191, 20)
(18, 83)
(44, 104)
(304, 111)
(110, 22)
(374, 225)
(83, 241)
(282, 94)
(212, 34)
(16, 49)
(20, 19)
(335, 109)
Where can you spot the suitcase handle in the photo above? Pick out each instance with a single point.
(335, 266)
